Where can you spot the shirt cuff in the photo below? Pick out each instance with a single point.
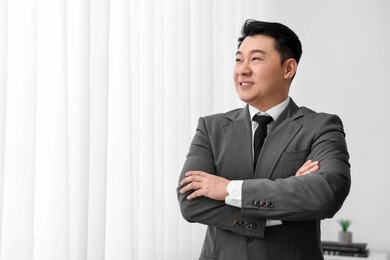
(271, 223)
(234, 189)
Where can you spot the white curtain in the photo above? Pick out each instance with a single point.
(99, 100)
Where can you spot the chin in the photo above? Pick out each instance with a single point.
(246, 99)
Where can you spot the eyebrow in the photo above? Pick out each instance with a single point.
(252, 51)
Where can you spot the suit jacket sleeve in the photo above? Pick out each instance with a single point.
(315, 196)
(207, 211)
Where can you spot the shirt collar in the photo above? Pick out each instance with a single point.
(274, 112)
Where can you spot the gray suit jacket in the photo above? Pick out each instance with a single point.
(222, 145)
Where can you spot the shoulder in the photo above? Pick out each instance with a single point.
(319, 121)
(232, 115)
(305, 116)
(313, 115)
(215, 122)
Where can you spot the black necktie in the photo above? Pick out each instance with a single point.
(260, 135)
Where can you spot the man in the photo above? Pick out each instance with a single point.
(267, 207)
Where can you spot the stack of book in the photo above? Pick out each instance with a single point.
(354, 249)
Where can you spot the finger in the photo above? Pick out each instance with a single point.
(307, 163)
(195, 194)
(189, 173)
(315, 163)
(191, 186)
(197, 173)
(193, 178)
(186, 188)
(313, 169)
(308, 171)
(303, 168)
(186, 180)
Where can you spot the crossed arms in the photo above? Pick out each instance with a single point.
(215, 187)
(314, 192)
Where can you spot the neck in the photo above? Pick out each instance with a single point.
(266, 105)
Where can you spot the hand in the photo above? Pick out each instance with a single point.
(307, 168)
(204, 184)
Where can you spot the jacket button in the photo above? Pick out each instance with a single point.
(248, 239)
(260, 203)
(253, 225)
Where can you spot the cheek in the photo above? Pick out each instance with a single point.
(269, 76)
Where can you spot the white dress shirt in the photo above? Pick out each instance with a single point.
(234, 187)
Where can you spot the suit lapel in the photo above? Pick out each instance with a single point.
(239, 139)
(281, 134)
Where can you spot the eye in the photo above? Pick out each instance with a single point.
(257, 58)
(238, 60)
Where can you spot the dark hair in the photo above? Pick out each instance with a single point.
(287, 42)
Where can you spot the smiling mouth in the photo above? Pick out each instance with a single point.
(246, 84)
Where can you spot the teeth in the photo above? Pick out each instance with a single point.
(246, 83)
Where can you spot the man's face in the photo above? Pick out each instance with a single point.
(259, 76)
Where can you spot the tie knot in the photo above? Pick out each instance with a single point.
(262, 119)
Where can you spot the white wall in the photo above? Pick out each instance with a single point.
(345, 70)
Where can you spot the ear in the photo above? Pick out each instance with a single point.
(291, 66)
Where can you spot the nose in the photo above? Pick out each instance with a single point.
(243, 69)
